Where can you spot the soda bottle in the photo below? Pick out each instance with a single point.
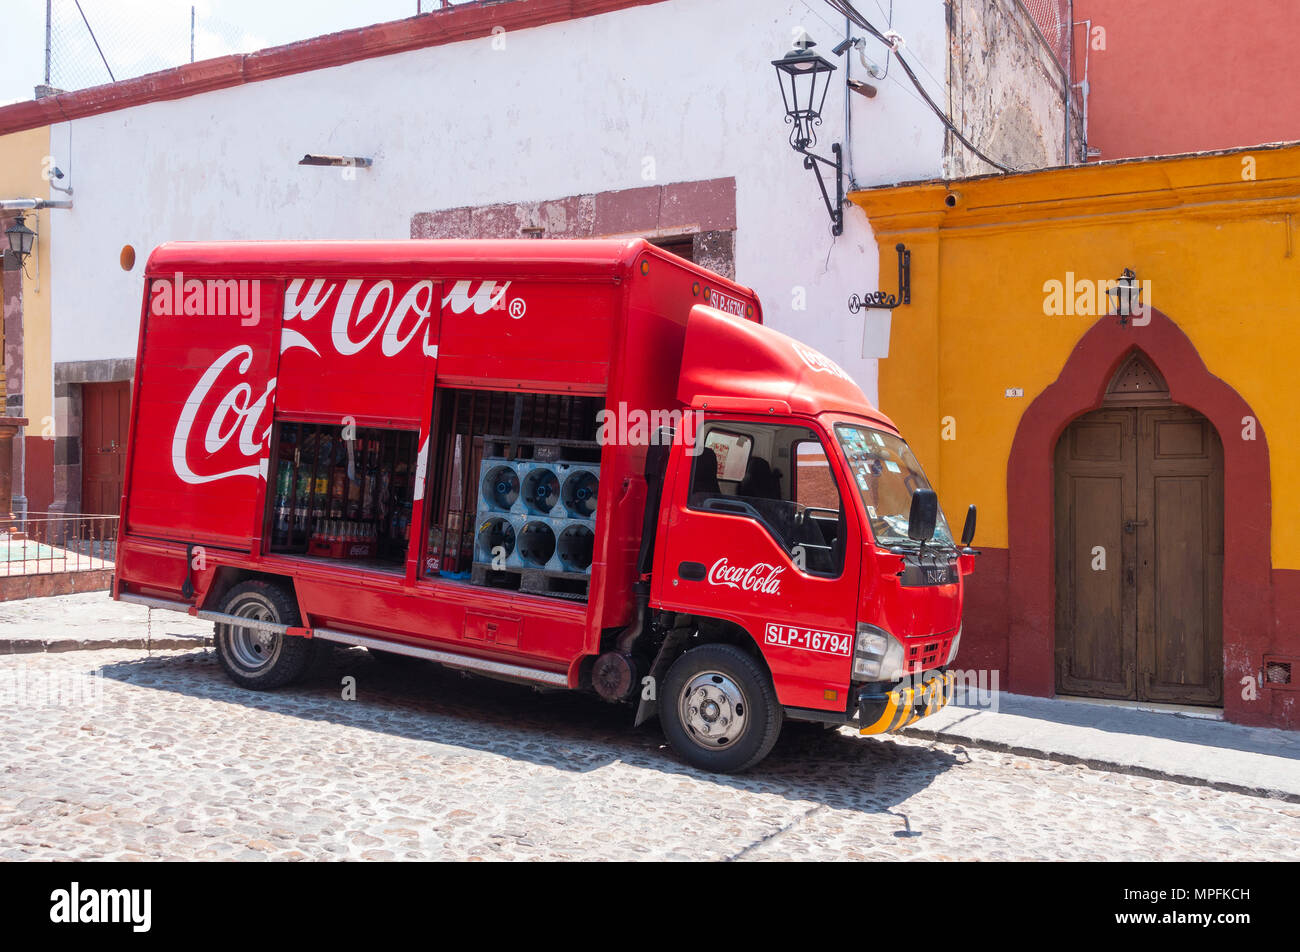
(283, 489)
(338, 492)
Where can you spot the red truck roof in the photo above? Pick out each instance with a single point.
(730, 364)
(515, 257)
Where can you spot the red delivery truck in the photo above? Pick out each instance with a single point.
(572, 464)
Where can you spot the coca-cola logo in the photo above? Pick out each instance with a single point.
(236, 415)
(366, 310)
(820, 363)
(228, 411)
(763, 577)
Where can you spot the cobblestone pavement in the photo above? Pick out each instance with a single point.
(169, 760)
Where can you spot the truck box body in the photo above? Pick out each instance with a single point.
(210, 381)
(330, 414)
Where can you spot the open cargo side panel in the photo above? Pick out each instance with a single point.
(201, 417)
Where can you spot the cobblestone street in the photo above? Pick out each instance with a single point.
(172, 761)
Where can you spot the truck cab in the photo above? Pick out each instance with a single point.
(787, 520)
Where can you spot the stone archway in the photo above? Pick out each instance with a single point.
(1081, 387)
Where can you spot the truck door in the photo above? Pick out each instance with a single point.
(757, 533)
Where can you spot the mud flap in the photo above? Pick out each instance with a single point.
(649, 707)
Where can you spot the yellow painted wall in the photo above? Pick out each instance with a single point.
(22, 155)
(1222, 252)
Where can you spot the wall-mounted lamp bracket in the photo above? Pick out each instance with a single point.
(815, 162)
(882, 300)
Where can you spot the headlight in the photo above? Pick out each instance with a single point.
(956, 643)
(877, 655)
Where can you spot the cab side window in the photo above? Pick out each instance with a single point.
(779, 476)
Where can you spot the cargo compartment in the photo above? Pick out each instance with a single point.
(342, 493)
(515, 490)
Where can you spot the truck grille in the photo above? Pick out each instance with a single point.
(925, 653)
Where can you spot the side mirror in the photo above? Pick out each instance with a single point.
(968, 530)
(924, 515)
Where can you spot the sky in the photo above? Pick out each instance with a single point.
(139, 36)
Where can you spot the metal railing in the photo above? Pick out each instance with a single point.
(46, 543)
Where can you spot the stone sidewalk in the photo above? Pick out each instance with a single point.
(92, 620)
(1156, 744)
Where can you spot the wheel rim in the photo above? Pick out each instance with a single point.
(253, 648)
(713, 709)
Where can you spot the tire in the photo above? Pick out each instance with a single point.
(737, 689)
(256, 659)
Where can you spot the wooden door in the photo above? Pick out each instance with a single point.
(1139, 556)
(106, 413)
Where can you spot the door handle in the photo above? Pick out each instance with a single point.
(692, 571)
(1132, 525)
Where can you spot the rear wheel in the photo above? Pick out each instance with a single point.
(719, 709)
(256, 657)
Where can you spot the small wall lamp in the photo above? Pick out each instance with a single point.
(1126, 295)
(21, 239)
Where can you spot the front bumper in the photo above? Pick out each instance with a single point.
(905, 704)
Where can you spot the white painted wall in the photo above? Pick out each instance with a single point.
(565, 109)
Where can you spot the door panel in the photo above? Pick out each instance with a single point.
(1180, 555)
(1096, 493)
(106, 413)
(1144, 487)
(738, 547)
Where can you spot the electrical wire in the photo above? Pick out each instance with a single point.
(848, 110)
(889, 23)
(828, 23)
(846, 8)
(96, 40)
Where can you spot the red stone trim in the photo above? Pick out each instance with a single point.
(1247, 576)
(464, 22)
(680, 208)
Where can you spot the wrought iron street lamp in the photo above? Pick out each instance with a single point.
(805, 80)
(21, 239)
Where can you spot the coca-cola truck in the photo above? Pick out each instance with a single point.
(577, 465)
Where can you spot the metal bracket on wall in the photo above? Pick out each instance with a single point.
(835, 208)
(883, 300)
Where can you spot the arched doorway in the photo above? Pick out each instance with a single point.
(1139, 547)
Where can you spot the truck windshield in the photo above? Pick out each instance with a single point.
(886, 474)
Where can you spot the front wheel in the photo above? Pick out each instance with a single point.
(261, 658)
(719, 709)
